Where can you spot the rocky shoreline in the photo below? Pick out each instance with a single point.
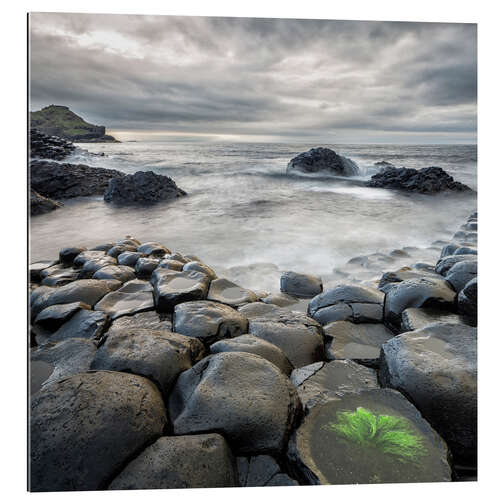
(164, 375)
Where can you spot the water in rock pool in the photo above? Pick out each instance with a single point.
(250, 221)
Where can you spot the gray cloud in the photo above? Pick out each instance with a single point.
(259, 77)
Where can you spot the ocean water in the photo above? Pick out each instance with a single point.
(250, 221)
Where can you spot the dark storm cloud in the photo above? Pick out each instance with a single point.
(266, 77)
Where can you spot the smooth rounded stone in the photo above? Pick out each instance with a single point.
(300, 285)
(359, 304)
(38, 299)
(416, 318)
(417, 292)
(117, 250)
(145, 266)
(280, 299)
(465, 251)
(67, 358)
(331, 381)
(399, 254)
(423, 266)
(262, 470)
(85, 427)
(104, 247)
(177, 256)
(461, 273)
(153, 249)
(200, 267)
(374, 436)
(467, 299)
(208, 321)
(120, 273)
(227, 292)
(52, 317)
(129, 240)
(322, 160)
(37, 267)
(446, 263)
(201, 461)
(405, 273)
(243, 395)
(171, 288)
(149, 320)
(92, 266)
(361, 342)
(298, 336)
(58, 275)
(449, 250)
(87, 255)
(67, 255)
(256, 309)
(129, 258)
(133, 297)
(436, 367)
(84, 324)
(159, 355)
(175, 265)
(254, 345)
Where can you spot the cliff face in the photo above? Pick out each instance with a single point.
(62, 122)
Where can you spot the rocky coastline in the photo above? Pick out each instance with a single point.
(164, 375)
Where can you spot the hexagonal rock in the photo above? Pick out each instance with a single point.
(149, 320)
(84, 324)
(256, 309)
(129, 258)
(227, 292)
(262, 470)
(52, 317)
(84, 428)
(171, 288)
(120, 273)
(37, 267)
(156, 354)
(83, 257)
(280, 299)
(145, 266)
(91, 266)
(202, 461)
(117, 250)
(355, 303)
(403, 274)
(202, 268)
(297, 335)
(153, 249)
(133, 297)
(417, 292)
(242, 395)
(446, 263)
(467, 299)
(254, 345)
(361, 342)
(104, 247)
(461, 273)
(437, 367)
(354, 439)
(415, 318)
(321, 382)
(300, 285)
(58, 275)
(208, 321)
(67, 255)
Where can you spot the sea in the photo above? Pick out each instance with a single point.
(250, 221)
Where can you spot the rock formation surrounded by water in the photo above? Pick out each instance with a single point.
(322, 161)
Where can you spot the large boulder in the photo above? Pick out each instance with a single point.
(437, 367)
(142, 187)
(322, 161)
(372, 436)
(52, 317)
(203, 461)
(149, 320)
(84, 324)
(242, 395)
(68, 254)
(208, 321)
(84, 429)
(415, 318)
(300, 285)
(461, 273)
(356, 303)
(120, 273)
(444, 264)
(467, 299)
(227, 292)
(36, 268)
(58, 275)
(405, 273)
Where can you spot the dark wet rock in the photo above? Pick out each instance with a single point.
(120, 273)
(417, 292)
(470, 226)
(200, 267)
(67, 358)
(208, 321)
(174, 265)
(37, 267)
(149, 320)
(467, 299)
(40, 204)
(202, 461)
(321, 453)
(243, 395)
(171, 288)
(142, 187)
(153, 249)
(67, 255)
(298, 336)
(446, 263)
(300, 285)
(133, 297)
(87, 255)
(399, 254)
(49, 146)
(52, 317)
(67, 180)
(38, 299)
(159, 355)
(403, 274)
(436, 367)
(448, 250)
(91, 266)
(323, 161)
(178, 257)
(257, 309)
(466, 236)
(227, 292)
(461, 273)
(58, 275)
(465, 251)
(145, 266)
(425, 180)
(331, 381)
(129, 258)
(359, 304)
(262, 470)
(383, 163)
(360, 342)
(107, 417)
(104, 247)
(280, 299)
(416, 318)
(117, 250)
(254, 345)
(84, 324)
(129, 240)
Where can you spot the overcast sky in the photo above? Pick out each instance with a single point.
(285, 80)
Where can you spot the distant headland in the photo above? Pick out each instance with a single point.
(62, 122)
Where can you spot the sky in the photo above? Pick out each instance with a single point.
(258, 80)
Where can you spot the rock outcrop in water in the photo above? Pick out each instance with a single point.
(188, 367)
(425, 180)
(49, 147)
(322, 161)
(40, 204)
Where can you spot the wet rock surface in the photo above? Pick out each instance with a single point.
(49, 146)
(227, 292)
(40, 204)
(323, 161)
(300, 285)
(262, 470)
